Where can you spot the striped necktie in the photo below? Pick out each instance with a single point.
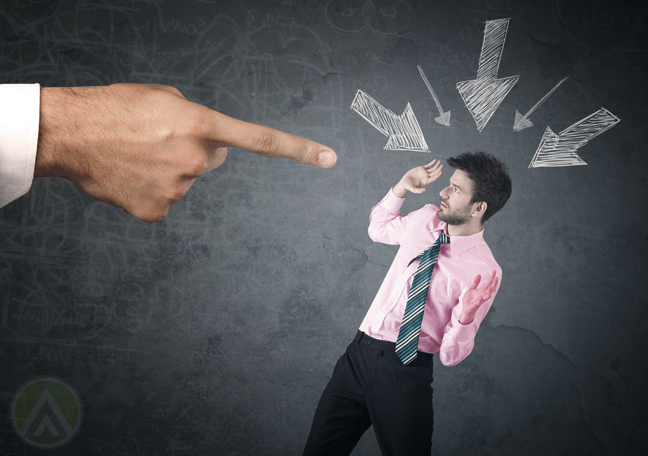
(408, 336)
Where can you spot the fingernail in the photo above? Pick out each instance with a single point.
(326, 158)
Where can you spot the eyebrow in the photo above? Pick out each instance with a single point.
(455, 185)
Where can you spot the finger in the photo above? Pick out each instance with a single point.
(147, 211)
(493, 287)
(436, 165)
(216, 158)
(429, 164)
(170, 89)
(492, 278)
(475, 283)
(436, 171)
(261, 140)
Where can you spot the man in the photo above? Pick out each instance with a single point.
(433, 299)
(134, 146)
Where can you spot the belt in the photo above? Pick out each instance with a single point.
(384, 345)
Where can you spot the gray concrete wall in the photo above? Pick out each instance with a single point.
(215, 330)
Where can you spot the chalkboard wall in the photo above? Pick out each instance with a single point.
(215, 330)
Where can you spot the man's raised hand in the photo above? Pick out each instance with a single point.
(417, 178)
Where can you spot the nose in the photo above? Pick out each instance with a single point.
(442, 193)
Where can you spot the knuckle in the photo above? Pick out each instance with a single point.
(153, 213)
(199, 127)
(267, 144)
(195, 167)
(159, 213)
(172, 90)
(175, 195)
(154, 218)
(165, 135)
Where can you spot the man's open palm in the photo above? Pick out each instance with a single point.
(475, 297)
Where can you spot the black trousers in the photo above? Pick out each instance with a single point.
(370, 386)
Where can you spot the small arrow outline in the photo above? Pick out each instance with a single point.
(444, 117)
(522, 122)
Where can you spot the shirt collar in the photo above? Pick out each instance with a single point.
(459, 244)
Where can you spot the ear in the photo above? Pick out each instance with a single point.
(479, 209)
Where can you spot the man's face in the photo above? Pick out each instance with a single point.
(455, 199)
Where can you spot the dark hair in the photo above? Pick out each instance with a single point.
(490, 178)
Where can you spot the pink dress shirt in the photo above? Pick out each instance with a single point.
(457, 265)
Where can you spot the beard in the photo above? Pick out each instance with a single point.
(456, 217)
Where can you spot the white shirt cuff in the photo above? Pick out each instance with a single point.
(19, 117)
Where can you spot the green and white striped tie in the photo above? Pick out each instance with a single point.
(408, 336)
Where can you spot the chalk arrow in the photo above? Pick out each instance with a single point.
(444, 117)
(403, 131)
(483, 95)
(522, 121)
(560, 149)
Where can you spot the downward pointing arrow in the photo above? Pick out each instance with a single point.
(483, 95)
(522, 122)
(444, 117)
(560, 149)
(403, 131)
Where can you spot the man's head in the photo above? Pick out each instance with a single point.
(479, 187)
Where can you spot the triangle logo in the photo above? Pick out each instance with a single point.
(46, 413)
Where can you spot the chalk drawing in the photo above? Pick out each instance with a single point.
(403, 131)
(127, 5)
(385, 56)
(444, 117)
(378, 84)
(560, 149)
(393, 18)
(483, 95)
(522, 122)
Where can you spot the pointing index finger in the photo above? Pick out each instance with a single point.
(261, 140)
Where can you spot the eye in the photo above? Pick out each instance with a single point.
(456, 190)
